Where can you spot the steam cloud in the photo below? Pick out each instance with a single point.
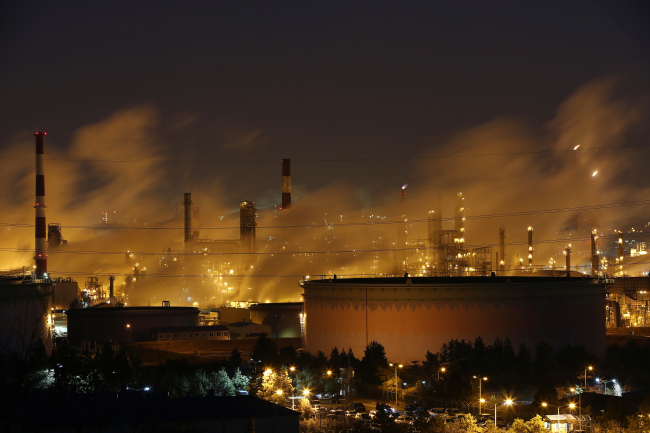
(502, 166)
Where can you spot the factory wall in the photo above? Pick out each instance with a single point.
(282, 317)
(409, 316)
(124, 325)
(24, 316)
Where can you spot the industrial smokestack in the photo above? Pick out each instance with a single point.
(286, 184)
(530, 247)
(187, 206)
(459, 217)
(594, 254)
(620, 256)
(502, 248)
(111, 287)
(40, 253)
(247, 224)
(567, 253)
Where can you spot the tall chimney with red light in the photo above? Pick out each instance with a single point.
(286, 184)
(40, 253)
(187, 207)
(530, 247)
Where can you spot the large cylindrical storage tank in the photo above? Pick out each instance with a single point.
(124, 325)
(409, 316)
(24, 316)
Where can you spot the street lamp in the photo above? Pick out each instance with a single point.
(590, 368)
(558, 414)
(573, 390)
(605, 383)
(505, 403)
(571, 406)
(400, 366)
(480, 401)
(443, 369)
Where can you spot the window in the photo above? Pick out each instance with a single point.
(183, 335)
(196, 334)
(225, 333)
(218, 333)
(211, 334)
(161, 336)
(203, 334)
(169, 335)
(176, 335)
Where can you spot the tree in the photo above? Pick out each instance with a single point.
(305, 408)
(518, 426)
(239, 381)
(235, 359)
(265, 351)
(276, 387)
(221, 383)
(536, 425)
(374, 359)
(467, 423)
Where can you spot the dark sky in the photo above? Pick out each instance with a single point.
(315, 79)
(143, 101)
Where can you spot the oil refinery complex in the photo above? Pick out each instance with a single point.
(412, 293)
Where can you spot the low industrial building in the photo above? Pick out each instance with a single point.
(240, 330)
(124, 325)
(184, 333)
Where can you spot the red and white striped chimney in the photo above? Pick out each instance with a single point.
(286, 184)
(40, 253)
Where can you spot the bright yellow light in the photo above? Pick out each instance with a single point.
(482, 400)
(443, 369)
(572, 405)
(278, 392)
(329, 372)
(594, 173)
(268, 371)
(508, 402)
(577, 147)
(544, 404)
(306, 392)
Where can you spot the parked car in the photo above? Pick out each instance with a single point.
(358, 407)
(363, 417)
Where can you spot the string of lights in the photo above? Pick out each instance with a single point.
(309, 252)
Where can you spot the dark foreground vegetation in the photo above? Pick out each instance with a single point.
(457, 377)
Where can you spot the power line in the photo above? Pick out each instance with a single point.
(327, 160)
(310, 252)
(366, 223)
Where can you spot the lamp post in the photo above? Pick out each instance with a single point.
(400, 366)
(571, 406)
(573, 390)
(590, 368)
(507, 403)
(605, 383)
(558, 414)
(443, 369)
(480, 380)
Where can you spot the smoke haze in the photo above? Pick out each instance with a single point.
(135, 166)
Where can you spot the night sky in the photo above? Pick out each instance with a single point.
(143, 101)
